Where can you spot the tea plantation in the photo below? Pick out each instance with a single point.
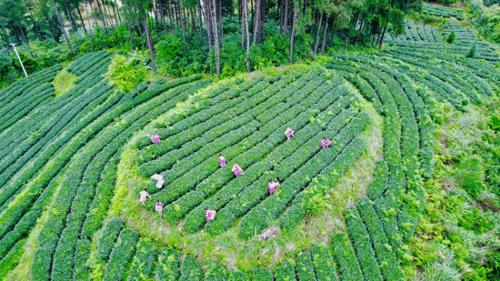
(308, 172)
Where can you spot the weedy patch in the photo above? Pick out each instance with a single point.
(63, 82)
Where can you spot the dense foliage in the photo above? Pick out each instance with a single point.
(234, 39)
(363, 165)
(126, 73)
(486, 20)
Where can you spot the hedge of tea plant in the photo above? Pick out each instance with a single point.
(248, 130)
(60, 158)
(442, 11)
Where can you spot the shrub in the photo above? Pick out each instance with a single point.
(472, 51)
(323, 264)
(126, 74)
(476, 220)
(190, 269)
(143, 261)
(486, 19)
(176, 57)
(216, 272)
(63, 82)
(362, 245)
(167, 266)
(346, 258)
(441, 272)
(451, 38)
(116, 269)
(262, 274)
(285, 272)
(470, 174)
(108, 237)
(304, 267)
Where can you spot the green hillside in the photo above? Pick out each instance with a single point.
(391, 173)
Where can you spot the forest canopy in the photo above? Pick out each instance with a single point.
(207, 36)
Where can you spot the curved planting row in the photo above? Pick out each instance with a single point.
(466, 39)
(427, 38)
(69, 119)
(250, 156)
(27, 127)
(401, 86)
(22, 97)
(417, 32)
(46, 136)
(123, 255)
(479, 73)
(21, 87)
(442, 11)
(263, 128)
(61, 234)
(60, 161)
(82, 64)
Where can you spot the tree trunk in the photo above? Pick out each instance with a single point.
(182, 11)
(113, 11)
(244, 21)
(317, 34)
(70, 17)
(23, 36)
(192, 12)
(252, 3)
(360, 31)
(54, 31)
(130, 35)
(325, 32)
(170, 18)
(81, 19)
(181, 22)
(162, 15)
(218, 4)
(106, 13)
(262, 18)
(139, 30)
(150, 45)
(231, 10)
(109, 15)
(256, 25)
(156, 14)
(102, 14)
(61, 24)
(216, 36)
(240, 10)
(208, 19)
(292, 34)
(200, 17)
(36, 28)
(175, 17)
(381, 40)
(117, 12)
(94, 21)
(285, 16)
(184, 18)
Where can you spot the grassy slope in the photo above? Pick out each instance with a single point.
(227, 248)
(456, 238)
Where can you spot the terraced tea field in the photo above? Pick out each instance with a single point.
(442, 11)
(304, 173)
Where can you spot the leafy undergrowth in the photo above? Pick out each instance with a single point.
(458, 236)
(127, 73)
(228, 248)
(417, 122)
(63, 82)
